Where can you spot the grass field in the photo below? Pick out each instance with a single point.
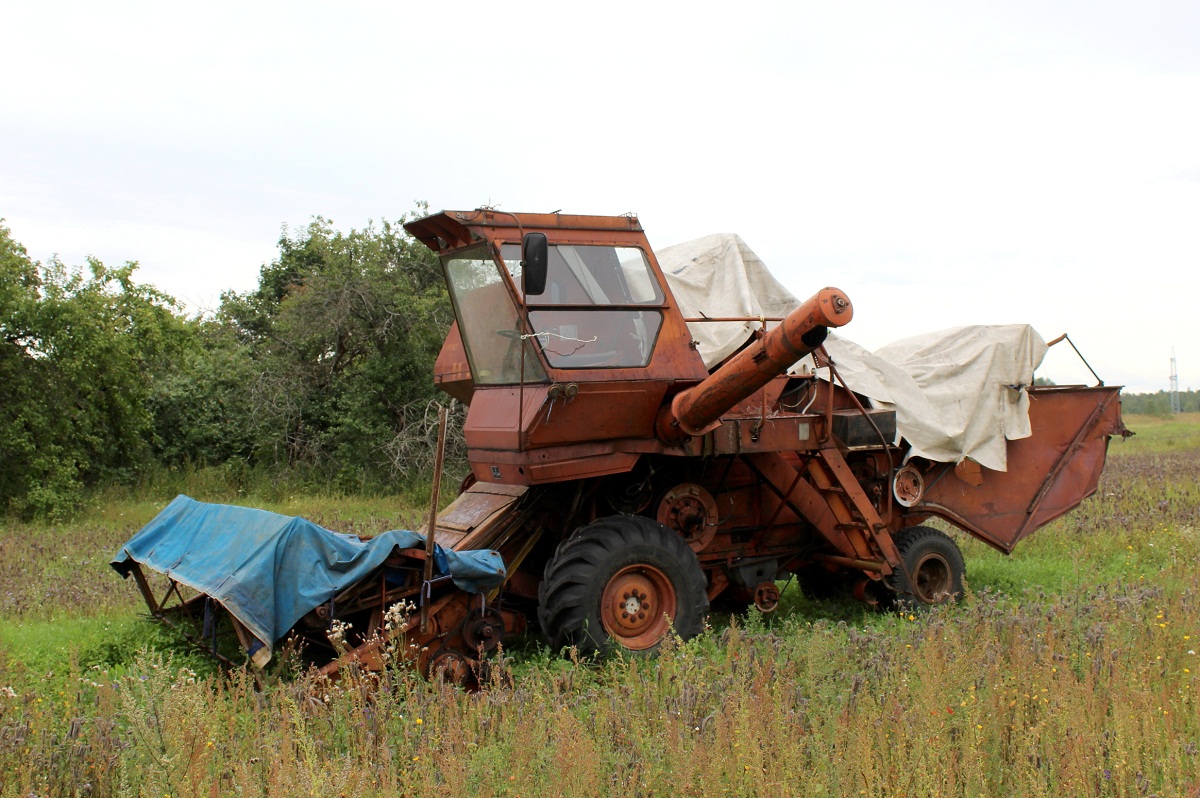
(1070, 669)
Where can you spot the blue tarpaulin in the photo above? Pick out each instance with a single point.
(269, 570)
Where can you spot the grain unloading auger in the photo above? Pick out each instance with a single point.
(627, 486)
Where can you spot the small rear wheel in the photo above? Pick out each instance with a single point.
(621, 582)
(932, 570)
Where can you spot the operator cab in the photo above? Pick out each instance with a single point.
(528, 305)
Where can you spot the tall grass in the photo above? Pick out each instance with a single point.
(1068, 670)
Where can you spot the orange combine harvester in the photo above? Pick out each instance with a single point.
(637, 456)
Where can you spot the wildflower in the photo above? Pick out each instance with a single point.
(394, 618)
(418, 721)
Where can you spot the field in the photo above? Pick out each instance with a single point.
(1070, 669)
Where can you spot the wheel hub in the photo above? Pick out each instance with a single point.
(692, 512)
(451, 667)
(933, 582)
(636, 606)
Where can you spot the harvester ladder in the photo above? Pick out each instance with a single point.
(835, 480)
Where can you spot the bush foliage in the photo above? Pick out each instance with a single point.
(323, 371)
(76, 348)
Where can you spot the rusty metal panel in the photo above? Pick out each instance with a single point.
(497, 413)
(476, 507)
(486, 220)
(589, 414)
(1049, 473)
(451, 372)
(577, 467)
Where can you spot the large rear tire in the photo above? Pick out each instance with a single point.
(933, 568)
(621, 582)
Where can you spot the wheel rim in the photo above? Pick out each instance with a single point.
(636, 606)
(451, 667)
(933, 580)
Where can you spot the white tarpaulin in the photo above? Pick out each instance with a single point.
(718, 276)
(957, 393)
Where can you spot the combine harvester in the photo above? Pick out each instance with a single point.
(649, 434)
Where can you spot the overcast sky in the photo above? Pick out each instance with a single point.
(943, 163)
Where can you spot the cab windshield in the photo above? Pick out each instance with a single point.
(593, 313)
(487, 319)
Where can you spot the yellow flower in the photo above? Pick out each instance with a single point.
(418, 721)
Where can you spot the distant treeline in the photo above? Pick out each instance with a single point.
(322, 372)
(1159, 404)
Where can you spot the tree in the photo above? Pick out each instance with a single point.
(325, 368)
(77, 351)
(343, 330)
(1159, 403)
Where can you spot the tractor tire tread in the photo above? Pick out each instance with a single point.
(568, 596)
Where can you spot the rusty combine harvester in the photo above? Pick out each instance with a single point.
(627, 486)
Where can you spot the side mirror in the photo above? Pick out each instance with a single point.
(535, 255)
